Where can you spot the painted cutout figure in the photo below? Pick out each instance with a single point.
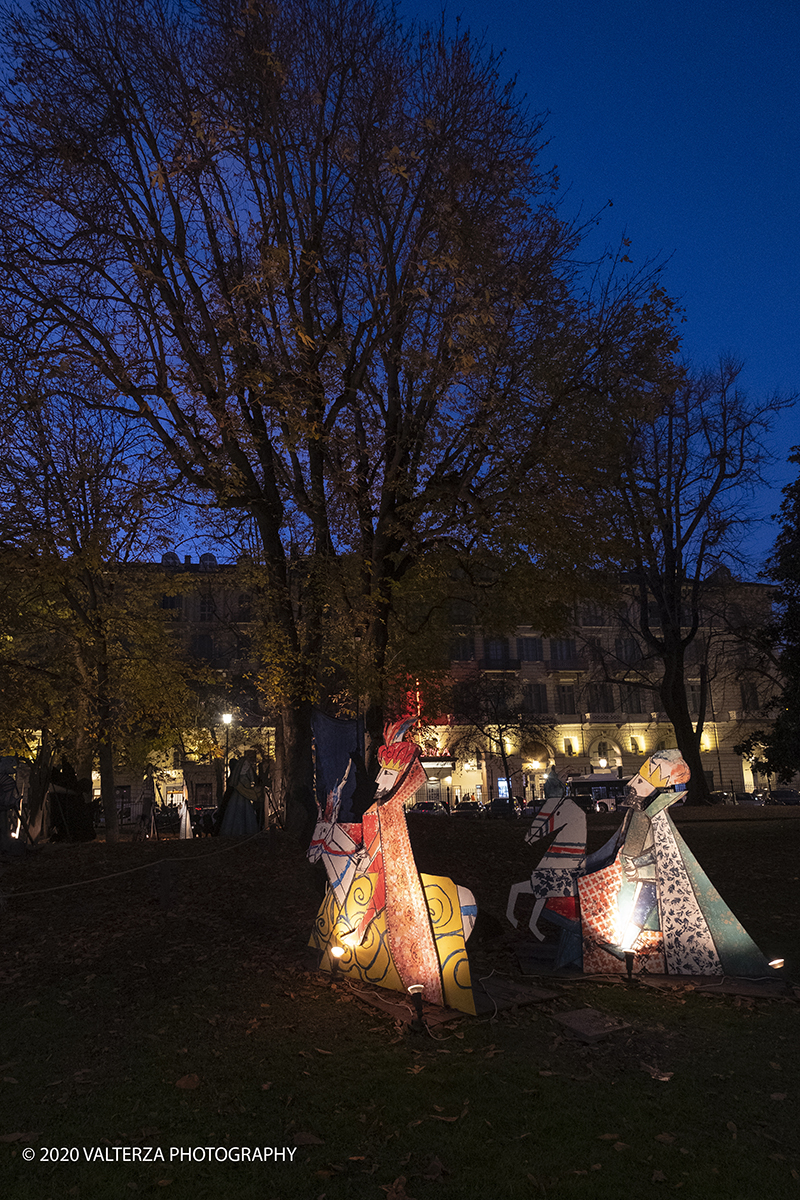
(654, 899)
(554, 882)
(395, 926)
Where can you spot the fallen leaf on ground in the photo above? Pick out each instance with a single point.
(188, 1082)
(396, 1190)
(307, 1139)
(434, 1170)
(655, 1073)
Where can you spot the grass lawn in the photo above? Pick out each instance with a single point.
(176, 1007)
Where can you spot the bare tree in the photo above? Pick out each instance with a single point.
(491, 716)
(318, 255)
(679, 507)
(775, 750)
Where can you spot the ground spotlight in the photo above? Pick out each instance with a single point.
(415, 991)
(336, 953)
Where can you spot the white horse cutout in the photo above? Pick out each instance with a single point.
(557, 873)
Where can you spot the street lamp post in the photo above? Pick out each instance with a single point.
(226, 721)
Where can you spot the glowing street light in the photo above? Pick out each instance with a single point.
(226, 721)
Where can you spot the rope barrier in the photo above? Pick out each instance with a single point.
(131, 870)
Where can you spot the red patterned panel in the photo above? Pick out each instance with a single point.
(598, 895)
(408, 921)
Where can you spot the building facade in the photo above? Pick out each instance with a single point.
(593, 694)
(583, 701)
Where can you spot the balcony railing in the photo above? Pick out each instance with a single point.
(576, 662)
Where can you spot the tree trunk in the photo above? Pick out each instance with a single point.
(38, 809)
(108, 799)
(374, 721)
(377, 642)
(506, 770)
(83, 753)
(105, 753)
(294, 770)
(676, 706)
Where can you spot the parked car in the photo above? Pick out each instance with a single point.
(748, 798)
(468, 809)
(723, 797)
(429, 808)
(784, 796)
(502, 807)
(713, 798)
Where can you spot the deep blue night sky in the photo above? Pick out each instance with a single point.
(686, 114)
